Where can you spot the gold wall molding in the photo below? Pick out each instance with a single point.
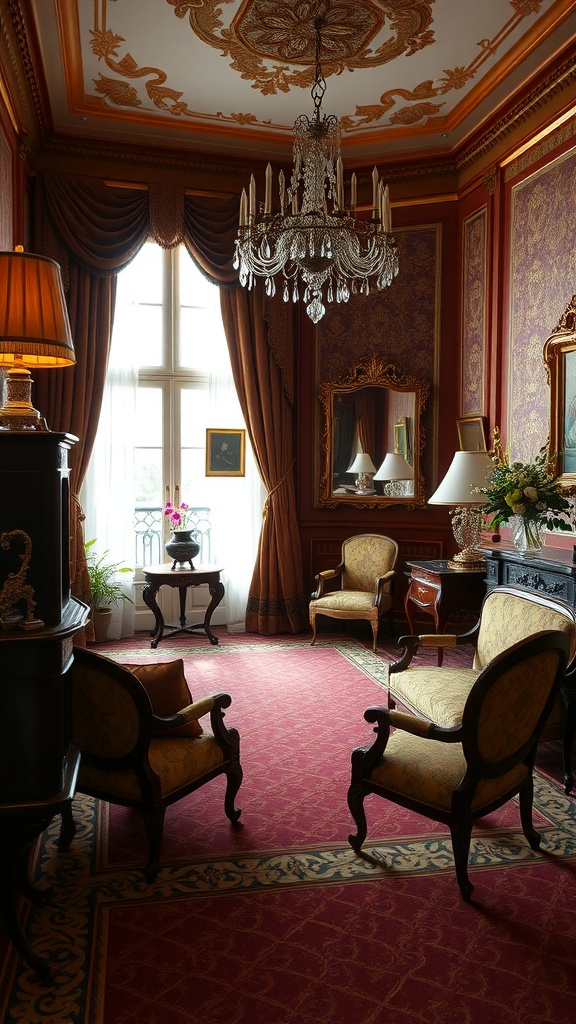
(545, 146)
(559, 80)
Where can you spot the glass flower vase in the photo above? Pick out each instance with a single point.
(526, 534)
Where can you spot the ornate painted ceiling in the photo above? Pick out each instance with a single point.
(414, 76)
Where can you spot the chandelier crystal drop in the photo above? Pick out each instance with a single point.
(323, 256)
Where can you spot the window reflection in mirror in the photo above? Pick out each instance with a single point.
(370, 416)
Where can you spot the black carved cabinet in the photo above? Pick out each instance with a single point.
(552, 570)
(38, 621)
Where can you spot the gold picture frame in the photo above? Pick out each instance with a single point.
(471, 434)
(225, 452)
(402, 438)
(560, 361)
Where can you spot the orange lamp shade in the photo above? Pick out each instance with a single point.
(34, 324)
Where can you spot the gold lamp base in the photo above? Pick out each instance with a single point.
(467, 560)
(18, 413)
(466, 526)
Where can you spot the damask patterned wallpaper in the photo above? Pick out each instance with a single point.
(542, 278)
(399, 324)
(473, 314)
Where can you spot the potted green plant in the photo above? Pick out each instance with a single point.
(105, 588)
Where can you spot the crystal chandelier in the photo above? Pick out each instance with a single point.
(323, 256)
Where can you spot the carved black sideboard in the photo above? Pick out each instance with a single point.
(38, 621)
(552, 571)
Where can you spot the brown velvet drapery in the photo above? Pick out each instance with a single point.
(94, 230)
(275, 602)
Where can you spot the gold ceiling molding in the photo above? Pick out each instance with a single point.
(560, 79)
(20, 59)
(539, 147)
(426, 91)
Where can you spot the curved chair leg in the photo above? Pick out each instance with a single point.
(526, 799)
(154, 822)
(67, 828)
(374, 635)
(313, 624)
(461, 834)
(355, 798)
(233, 782)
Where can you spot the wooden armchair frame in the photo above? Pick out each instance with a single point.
(466, 803)
(565, 715)
(152, 801)
(372, 613)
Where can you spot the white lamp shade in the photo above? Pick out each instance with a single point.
(394, 467)
(362, 464)
(467, 471)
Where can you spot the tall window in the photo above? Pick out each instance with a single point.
(169, 380)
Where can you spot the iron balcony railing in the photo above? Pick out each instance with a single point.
(148, 525)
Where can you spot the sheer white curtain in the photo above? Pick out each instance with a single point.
(108, 491)
(236, 507)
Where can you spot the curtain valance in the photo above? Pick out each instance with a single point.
(101, 227)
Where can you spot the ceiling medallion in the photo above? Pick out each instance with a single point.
(266, 38)
(330, 255)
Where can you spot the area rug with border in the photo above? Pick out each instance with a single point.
(277, 919)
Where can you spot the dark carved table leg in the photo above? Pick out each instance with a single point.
(217, 593)
(149, 597)
(182, 591)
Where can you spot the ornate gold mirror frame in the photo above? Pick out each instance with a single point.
(404, 433)
(560, 362)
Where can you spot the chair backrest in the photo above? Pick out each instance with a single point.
(510, 702)
(510, 614)
(110, 708)
(367, 556)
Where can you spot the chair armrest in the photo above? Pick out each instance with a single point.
(381, 581)
(365, 758)
(191, 713)
(410, 645)
(322, 577)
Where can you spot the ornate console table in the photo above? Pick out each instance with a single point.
(553, 572)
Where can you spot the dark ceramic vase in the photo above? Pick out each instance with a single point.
(182, 548)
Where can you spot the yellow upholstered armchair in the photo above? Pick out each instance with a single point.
(458, 774)
(366, 575)
(142, 743)
(509, 613)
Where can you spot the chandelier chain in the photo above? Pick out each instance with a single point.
(322, 251)
(319, 86)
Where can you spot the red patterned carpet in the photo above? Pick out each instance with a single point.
(277, 920)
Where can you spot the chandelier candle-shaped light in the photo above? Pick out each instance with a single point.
(322, 255)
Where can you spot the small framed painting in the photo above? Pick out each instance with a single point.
(225, 452)
(472, 434)
(402, 438)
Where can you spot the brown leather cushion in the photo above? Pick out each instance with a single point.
(168, 691)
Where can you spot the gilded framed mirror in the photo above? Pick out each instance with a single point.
(560, 362)
(371, 438)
